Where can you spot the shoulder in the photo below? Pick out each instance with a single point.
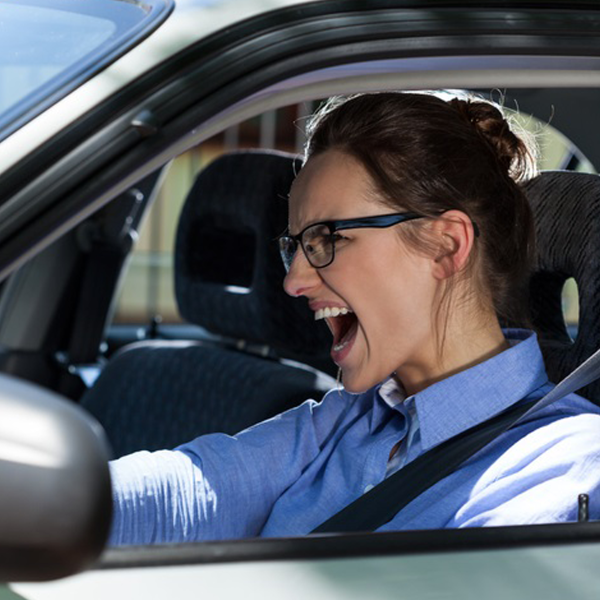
(566, 416)
(561, 441)
(568, 420)
(535, 472)
(562, 437)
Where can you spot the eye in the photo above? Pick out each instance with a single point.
(316, 240)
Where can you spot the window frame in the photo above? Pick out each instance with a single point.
(152, 14)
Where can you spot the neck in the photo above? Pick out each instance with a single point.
(461, 350)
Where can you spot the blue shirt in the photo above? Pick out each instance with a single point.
(287, 475)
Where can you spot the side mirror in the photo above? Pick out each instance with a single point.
(55, 492)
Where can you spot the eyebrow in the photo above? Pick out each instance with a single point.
(288, 230)
(310, 224)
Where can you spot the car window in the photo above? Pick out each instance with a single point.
(147, 289)
(46, 48)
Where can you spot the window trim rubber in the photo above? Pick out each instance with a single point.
(351, 545)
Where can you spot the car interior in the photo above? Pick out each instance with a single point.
(261, 353)
(254, 351)
(271, 356)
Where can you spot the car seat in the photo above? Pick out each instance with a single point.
(566, 207)
(228, 279)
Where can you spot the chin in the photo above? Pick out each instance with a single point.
(357, 384)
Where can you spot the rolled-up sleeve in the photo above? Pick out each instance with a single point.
(216, 486)
(539, 478)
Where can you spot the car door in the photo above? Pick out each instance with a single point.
(189, 86)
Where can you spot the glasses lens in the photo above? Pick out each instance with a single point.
(318, 245)
(287, 249)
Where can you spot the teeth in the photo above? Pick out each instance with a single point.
(339, 347)
(334, 311)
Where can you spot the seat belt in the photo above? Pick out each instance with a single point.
(383, 502)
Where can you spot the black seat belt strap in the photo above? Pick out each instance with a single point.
(382, 503)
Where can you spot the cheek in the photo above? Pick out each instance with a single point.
(386, 285)
(402, 300)
(400, 315)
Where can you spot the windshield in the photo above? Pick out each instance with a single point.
(48, 47)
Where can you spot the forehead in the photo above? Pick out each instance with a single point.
(332, 185)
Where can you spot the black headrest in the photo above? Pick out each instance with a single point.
(228, 273)
(566, 207)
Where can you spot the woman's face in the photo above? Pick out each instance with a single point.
(389, 288)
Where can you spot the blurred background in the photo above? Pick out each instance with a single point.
(146, 291)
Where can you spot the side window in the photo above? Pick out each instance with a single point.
(147, 289)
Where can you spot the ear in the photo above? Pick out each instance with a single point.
(455, 234)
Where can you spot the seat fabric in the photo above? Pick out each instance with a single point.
(566, 208)
(158, 394)
(227, 237)
(188, 389)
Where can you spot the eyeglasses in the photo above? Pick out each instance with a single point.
(318, 240)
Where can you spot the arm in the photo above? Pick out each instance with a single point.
(538, 479)
(216, 486)
(157, 497)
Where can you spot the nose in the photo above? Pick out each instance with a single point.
(302, 276)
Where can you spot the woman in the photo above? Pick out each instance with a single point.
(409, 234)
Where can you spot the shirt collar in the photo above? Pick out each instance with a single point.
(392, 393)
(461, 401)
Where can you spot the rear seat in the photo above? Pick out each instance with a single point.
(228, 280)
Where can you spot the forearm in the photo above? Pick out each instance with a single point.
(160, 497)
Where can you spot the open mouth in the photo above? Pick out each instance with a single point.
(344, 330)
(343, 325)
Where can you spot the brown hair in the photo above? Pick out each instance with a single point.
(428, 155)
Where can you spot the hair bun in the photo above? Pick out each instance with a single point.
(511, 151)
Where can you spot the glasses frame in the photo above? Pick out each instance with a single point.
(378, 222)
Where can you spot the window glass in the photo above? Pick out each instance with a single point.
(147, 291)
(556, 151)
(48, 46)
